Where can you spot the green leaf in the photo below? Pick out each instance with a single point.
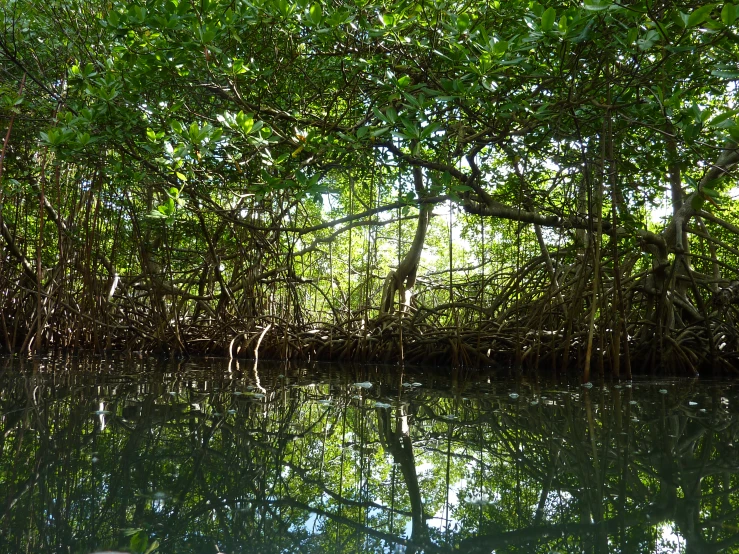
(379, 115)
(728, 13)
(139, 542)
(649, 40)
(316, 13)
(710, 192)
(562, 25)
(83, 139)
(463, 22)
(722, 117)
(681, 19)
(699, 15)
(501, 46)
(462, 188)
(430, 129)
(596, 5)
(697, 202)
(245, 122)
(156, 214)
(547, 19)
(168, 208)
(404, 81)
(193, 131)
(725, 73)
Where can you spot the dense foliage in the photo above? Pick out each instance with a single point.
(440, 182)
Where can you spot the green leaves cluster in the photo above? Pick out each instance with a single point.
(139, 542)
(168, 209)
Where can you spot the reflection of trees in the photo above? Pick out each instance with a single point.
(397, 441)
(602, 476)
(199, 460)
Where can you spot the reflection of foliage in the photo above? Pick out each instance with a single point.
(190, 460)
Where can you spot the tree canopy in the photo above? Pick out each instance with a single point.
(442, 182)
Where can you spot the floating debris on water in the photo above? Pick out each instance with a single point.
(363, 385)
(513, 395)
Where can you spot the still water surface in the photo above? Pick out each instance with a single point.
(207, 457)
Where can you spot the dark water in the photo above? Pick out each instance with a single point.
(190, 457)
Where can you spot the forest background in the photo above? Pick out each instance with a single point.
(463, 183)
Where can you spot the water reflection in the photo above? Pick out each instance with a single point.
(205, 460)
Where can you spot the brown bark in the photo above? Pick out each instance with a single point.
(403, 277)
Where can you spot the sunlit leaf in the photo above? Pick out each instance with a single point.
(728, 13)
(699, 15)
(547, 19)
(316, 13)
(597, 5)
(463, 21)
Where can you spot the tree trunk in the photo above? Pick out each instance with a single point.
(403, 278)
